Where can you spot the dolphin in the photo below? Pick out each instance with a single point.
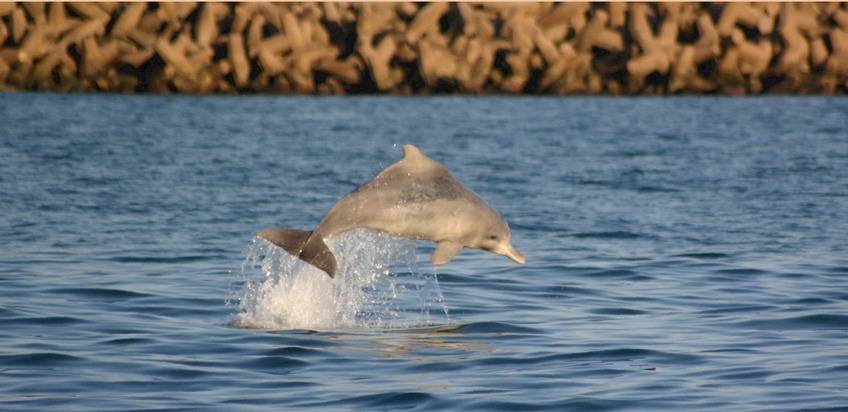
(415, 198)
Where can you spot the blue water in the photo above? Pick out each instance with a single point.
(682, 254)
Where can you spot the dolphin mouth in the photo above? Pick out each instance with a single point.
(510, 252)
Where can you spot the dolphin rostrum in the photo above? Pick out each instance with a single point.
(415, 198)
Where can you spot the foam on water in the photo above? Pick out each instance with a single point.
(378, 286)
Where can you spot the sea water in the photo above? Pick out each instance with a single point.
(683, 253)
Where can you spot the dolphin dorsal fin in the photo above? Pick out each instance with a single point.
(413, 159)
(411, 152)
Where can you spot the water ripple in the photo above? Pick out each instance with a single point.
(41, 359)
(100, 293)
(44, 320)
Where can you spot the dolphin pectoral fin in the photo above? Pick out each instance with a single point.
(317, 254)
(445, 251)
(291, 240)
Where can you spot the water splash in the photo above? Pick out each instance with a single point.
(378, 286)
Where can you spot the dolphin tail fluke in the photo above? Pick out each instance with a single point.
(297, 242)
(291, 240)
(317, 254)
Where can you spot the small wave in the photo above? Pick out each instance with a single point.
(557, 292)
(742, 271)
(499, 328)
(44, 321)
(38, 359)
(821, 321)
(295, 351)
(94, 181)
(703, 256)
(736, 309)
(608, 356)
(277, 364)
(631, 354)
(129, 341)
(100, 293)
(617, 311)
(366, 293)
(625, 274)
(607, 235)
(809, 302)
(656, 189)
(158, 259)
(386, 401)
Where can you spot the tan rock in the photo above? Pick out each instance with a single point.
(18, 24)
(58, 21)
(796, 52)
(43, 69)
(641, 30)
(522, 34)
(754, 58)
(7, 8)
(728, 68)
(91, 10)
(596, 25)
(331, 12)
(407, 9)
(374, 18)
(841, 18)
(292, 31)
(347, 71)
(684, 71)
(707, 46)
(618, 13)
(254, 34)
(271, 13)
(35, 9)
(641, 66)
(744, 14)
(278, 43)
(563, 13)
(93, 27)
(837, 62)
(206, 28)
(243, 12)
(436, 62)
(136, 57)
(173, 57)
(98, 58)
(35, 45)
(546, 46)
(271, 63)
(238, 60)
(818, 52)
(426, 20)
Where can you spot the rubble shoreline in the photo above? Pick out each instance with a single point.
(426, 48)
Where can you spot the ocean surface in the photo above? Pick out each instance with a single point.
(683, 253)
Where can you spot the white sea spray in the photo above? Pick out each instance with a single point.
(379, 285)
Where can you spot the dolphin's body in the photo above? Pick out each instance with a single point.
(415, 198)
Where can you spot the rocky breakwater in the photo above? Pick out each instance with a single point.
(421, 48)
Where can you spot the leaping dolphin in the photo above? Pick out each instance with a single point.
(415, 198)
